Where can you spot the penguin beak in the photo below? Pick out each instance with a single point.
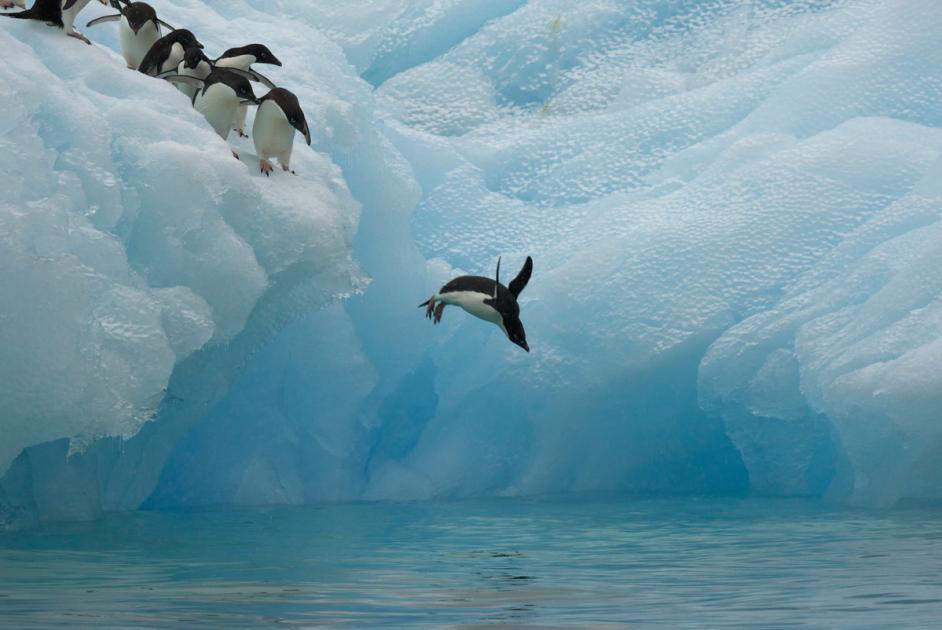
(274, 61)
(524, 345)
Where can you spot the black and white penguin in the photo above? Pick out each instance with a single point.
(242, 58)
(59, 13)
(279, 115)
(195, 64)
(486, 299)
(219, 95)
(167, 52)
(138, 29)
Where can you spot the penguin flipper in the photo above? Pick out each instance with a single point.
(68, 4)
(497, 278)
(182, 78)
(103, 19)
(172, 28)
(251, 75)
(520, 282)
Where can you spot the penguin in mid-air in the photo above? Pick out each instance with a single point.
(242, 58)
(279, 115)
(59, 13)
(219, 95)
(486, 299)
(168, 51)
(138, 29)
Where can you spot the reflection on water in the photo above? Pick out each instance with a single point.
(509, 562)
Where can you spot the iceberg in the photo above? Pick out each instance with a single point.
(733, 210)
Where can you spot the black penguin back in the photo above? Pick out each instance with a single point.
(49, 11)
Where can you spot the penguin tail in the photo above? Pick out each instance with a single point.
(425, 303)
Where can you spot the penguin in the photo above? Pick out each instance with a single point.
(485, 299)
(194, 64)
(59, 13)
(138, 29)
(218, 96)
(167, 52)
(279, 115)
(242, 58)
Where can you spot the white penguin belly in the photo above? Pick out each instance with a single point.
(272, 134)
(174, 58)
(473, 303)
(134, 47)
(242, 62)
(217, 104)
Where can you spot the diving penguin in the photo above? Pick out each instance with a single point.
(138, 29)
(168, 51)
(279, 115)
(59, 13)
(486, 299)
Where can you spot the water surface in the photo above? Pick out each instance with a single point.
(511, 562)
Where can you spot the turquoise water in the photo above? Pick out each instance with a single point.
(511, 562)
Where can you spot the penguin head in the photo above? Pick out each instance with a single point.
(192, 58)
(185, 38)
(259, 51)
(236, 82)
(514, 328)
(138, 14)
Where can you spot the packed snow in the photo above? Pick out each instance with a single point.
(734, 210)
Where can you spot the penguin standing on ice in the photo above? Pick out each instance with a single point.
(167, 52)
(279, 115)
(218, 96)
(485, 299)
(242, 58)
(59, 13)
(138, 29)
(195, 64)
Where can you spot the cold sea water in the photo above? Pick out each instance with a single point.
(612, 562)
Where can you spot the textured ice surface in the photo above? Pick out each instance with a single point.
(733, 210)
(131, 239)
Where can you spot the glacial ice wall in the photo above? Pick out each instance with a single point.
(733, 209)
(131, 240)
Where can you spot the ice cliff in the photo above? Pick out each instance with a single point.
(735, 211)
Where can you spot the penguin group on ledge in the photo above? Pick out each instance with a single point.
(220, 88)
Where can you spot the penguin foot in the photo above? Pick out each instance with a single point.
(266, 167)
(438, 312)
(242, 133)
(80, 37)
(287, 169)
(430, 308)
(235, 153)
